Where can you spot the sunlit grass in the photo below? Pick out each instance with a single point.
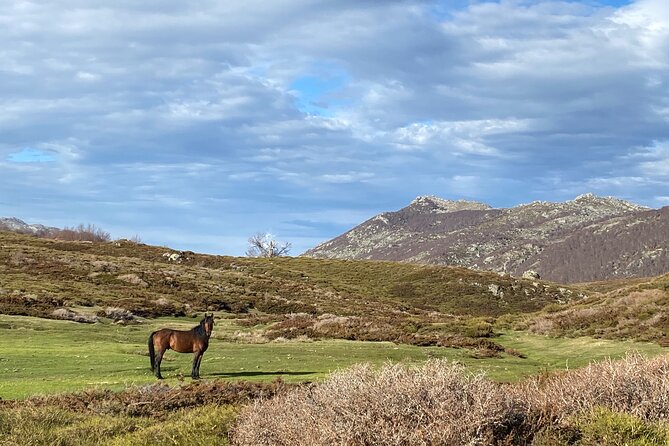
(40, 356)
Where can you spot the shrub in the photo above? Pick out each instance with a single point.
(634, 385)
(69, 315)
(436, 403)
(88, 233)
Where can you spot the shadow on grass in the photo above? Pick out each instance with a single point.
(253, 373)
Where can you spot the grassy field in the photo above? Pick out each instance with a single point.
(280, 322)
(41, 356)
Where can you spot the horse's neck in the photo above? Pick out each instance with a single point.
(199, 331)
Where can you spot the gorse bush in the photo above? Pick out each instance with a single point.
(440, 404)
(604, 427)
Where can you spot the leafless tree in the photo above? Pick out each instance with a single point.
(82, 232)
(264, 245)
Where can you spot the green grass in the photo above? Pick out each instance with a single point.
(40, 356)
(206, 425)
(603, 427)
(545, 353)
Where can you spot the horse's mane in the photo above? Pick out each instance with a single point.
(199, 330)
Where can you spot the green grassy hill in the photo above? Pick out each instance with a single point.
(49, 274)
(355, 300)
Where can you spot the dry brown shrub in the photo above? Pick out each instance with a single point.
(439, 404)
(118, 314)
(640, 298)
(436, 403)
(633, 385)
(374, 329)
(541, 325)
(88, 233)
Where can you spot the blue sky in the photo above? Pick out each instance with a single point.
(196, 124)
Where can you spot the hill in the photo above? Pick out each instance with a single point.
(12, 224)
(582, 240)
(632, 309)
(316, 298)
(366, 300)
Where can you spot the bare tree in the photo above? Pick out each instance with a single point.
(82, 232)
(264, 245)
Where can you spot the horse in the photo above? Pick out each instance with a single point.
(195, 340)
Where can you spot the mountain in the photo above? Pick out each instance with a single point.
(12, 224)
(585, 239)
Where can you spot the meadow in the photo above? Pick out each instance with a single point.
(68, 383)
(287, 326)
(42, 356)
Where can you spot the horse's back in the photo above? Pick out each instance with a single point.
(184, 341)
(180, 341)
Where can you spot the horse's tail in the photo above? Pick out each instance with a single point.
(152, 352)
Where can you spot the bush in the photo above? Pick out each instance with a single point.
(634, 385)
(434, 404)
(438, 403)
(88, 233)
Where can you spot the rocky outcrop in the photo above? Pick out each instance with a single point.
(584, 239)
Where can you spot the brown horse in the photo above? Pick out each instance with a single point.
(195, 340)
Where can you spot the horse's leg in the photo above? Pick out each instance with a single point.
(199, 361)
(197, 357)
(159, 358)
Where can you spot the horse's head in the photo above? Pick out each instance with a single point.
(208, 323)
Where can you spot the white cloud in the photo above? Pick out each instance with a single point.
(194, 103)
(87, 77)
(350, 177)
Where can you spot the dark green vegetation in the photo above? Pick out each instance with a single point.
(292, 319)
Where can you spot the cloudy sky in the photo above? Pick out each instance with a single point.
(196, 124)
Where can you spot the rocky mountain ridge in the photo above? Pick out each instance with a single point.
(13, 224)
(585, 239)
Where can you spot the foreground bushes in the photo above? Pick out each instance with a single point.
(439, 404)
(612, 403)
(436, 404)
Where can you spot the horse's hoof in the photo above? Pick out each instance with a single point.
(159, 376)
